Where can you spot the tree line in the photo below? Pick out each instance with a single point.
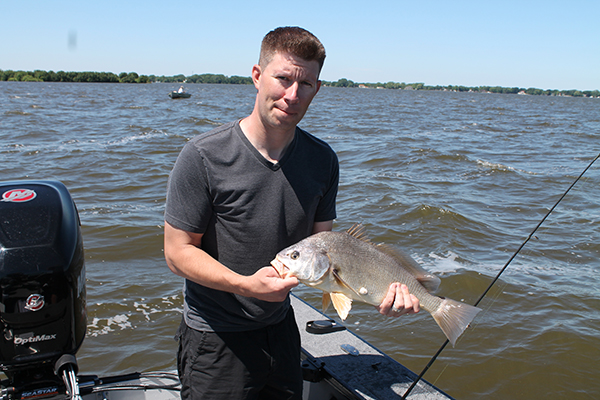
(204, 78)
(454, 88)
(62, 76)
(132, 77)
(109, 77)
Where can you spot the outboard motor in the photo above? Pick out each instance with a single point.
(42, 288)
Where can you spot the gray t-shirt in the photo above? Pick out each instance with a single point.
(247, 209)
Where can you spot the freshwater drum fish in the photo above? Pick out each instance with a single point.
(347, 266)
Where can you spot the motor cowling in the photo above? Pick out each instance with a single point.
(42, 277)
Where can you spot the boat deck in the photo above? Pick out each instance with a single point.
(365, 374)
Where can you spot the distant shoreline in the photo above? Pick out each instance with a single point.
(132, 77)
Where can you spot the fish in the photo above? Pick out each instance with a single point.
(348, 266)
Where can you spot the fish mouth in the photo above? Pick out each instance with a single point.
(280, 267)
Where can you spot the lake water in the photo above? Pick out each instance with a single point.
(458, 180)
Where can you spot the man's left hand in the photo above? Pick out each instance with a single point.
(398, 301)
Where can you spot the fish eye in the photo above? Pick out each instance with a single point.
(295, 254)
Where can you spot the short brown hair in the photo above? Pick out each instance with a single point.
(294, 40)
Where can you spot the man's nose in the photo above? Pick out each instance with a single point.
(291, 93)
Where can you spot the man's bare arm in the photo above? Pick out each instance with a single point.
(322, 226)
(185, 258)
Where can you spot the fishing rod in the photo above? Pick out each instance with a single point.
(436, 355)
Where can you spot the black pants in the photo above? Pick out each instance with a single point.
(258, 364)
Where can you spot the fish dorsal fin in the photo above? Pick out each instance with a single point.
(342, 304)
(326, 301)
(427, 279)
(358, 231)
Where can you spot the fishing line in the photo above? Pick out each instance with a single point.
(436, 355)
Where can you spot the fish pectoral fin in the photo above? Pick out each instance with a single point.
(326, 301)
(341, 303)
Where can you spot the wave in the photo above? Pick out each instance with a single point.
(502, 167)
(17, 112)
(145, 133)
(137, 311)
(200, 121)
(103, 326)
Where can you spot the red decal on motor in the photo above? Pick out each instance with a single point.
(19, 195)
(35, 302)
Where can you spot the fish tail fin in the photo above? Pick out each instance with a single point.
(454, 317)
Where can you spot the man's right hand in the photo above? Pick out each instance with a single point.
(266, 284)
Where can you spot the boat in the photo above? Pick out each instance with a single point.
(179, 95)
(43, 317)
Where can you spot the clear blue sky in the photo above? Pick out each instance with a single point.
(528, 43)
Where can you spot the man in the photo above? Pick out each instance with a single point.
(237, 195)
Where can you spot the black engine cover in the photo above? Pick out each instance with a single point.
(42, 275)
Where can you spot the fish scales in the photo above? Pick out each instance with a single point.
(347, 266)
(362, 265)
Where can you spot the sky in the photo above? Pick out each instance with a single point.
(527, 43)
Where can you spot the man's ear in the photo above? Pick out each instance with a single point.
(256, 73)
(318, 86)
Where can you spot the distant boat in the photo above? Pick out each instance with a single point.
(179, 95)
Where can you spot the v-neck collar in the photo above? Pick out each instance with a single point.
(269, 164)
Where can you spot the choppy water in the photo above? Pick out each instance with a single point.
(458, 180)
